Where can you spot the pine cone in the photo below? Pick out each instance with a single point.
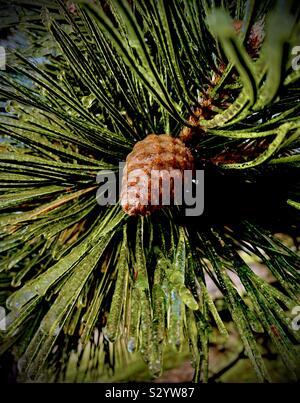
(152, 159)
(255, 38)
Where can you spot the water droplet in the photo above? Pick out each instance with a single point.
(131, 346)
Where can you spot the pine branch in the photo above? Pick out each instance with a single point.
(69, 266)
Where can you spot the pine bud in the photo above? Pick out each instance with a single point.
(155, 160)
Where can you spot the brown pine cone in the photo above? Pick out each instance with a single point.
(255, 38)
(152, 159)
